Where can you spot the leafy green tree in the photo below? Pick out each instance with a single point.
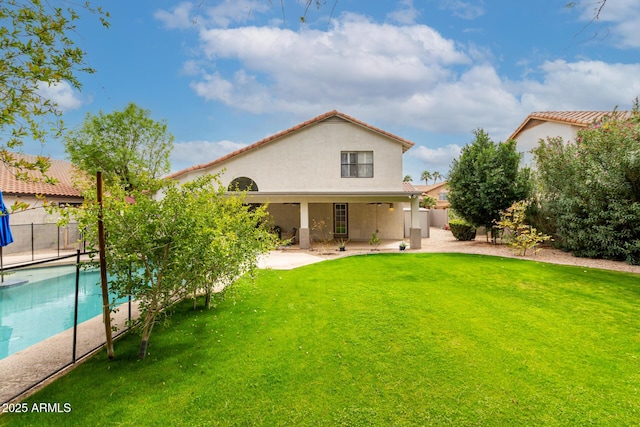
(36, 50)
(486, 179)
(407, 178)
(127, 146)
(436, 176)
(428, 202)
(589, 189)
(189, 239)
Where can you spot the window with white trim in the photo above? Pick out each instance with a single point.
(356, 164)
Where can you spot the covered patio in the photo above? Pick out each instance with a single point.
(308, 217)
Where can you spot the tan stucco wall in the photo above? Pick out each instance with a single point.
(366, 218)
(309, 160)
(363, 219)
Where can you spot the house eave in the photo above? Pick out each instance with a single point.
(329, 197)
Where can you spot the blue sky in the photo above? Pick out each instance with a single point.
(227, 73)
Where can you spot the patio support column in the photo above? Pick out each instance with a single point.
(415, 234)
(305, 241)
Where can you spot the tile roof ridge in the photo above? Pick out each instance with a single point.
(333, 113)
(580, 118)
(58, 169)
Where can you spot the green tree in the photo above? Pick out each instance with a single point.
(127, 146)
(486, 179)
(189, 240)
(36, 50)
(436, 176)
(428, 202)
(407, 178)
(589, 189)
(426, 176)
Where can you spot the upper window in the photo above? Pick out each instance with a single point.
(243, 184)
(442, 196)
(356, 164)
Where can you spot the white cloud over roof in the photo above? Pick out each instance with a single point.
(394, 71)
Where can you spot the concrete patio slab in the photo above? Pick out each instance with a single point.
(287, 259)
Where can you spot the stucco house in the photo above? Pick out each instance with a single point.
(439, 214)
(333, 169)
(439, 191)
(565, 124)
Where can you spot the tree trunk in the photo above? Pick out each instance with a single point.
(207, 300)
(146, 332)
(143, 349)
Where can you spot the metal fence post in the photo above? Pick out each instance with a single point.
(33, 255)
(75, 310)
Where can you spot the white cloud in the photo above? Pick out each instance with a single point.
(464, 9)
(178, 17)
(621, 19)
(438, 159)
(405, 14)
(234, 11)
(225, 13)
(400, 75)
(191, 153)
(591, 85)
(357, 61)
(62, 94)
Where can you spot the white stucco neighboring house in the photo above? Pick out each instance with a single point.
(544, 124)
(333, 169)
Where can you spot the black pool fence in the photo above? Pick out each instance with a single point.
(33, 242)
(25, 370)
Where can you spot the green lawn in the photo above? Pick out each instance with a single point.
(385, 339)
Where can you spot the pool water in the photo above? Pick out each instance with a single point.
(44, 306)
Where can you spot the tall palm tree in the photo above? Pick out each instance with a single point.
(436, 176)
(426, 176)
(407, 178)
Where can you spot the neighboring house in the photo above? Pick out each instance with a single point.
(438, 191)
(565, 124)
(333, 169)
(439, 215)
(14, 190)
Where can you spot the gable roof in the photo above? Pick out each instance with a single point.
(431, 187)
(406, 144)
(60, 170)
(575, 118)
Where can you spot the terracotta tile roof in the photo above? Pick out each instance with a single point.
(405, 143)
(431, 187)
(407, 187)
(576, 118)
(60, 170)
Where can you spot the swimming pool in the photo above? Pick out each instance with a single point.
(44, 306)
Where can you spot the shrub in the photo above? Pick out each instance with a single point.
(590, 188)
(462, 230)
(515, 233)
(375, 240)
